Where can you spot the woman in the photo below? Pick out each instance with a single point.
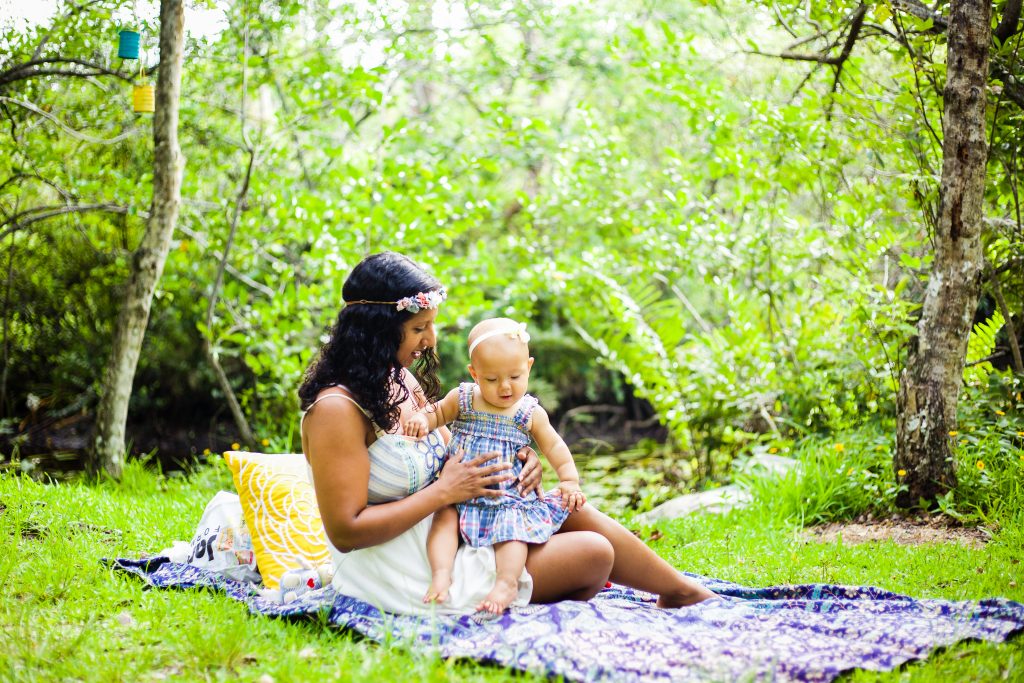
(372, 483)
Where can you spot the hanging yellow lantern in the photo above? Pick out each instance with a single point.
(143, 99)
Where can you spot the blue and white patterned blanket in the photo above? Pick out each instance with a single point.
(785, 633)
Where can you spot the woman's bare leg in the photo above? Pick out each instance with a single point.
(636, 565)
(570, 566)
(509, 560)
(442, 543)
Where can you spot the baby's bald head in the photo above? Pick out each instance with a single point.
(499, 361)
(504, 334)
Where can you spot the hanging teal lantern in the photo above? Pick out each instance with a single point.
(128, 45)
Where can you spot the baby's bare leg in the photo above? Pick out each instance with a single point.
(509, 560)
(442, 542)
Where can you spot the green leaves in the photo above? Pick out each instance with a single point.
(979, 346)
(720, 229)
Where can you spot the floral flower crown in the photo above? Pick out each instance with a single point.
(414, 304)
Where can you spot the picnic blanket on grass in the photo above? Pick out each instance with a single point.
(784, 633)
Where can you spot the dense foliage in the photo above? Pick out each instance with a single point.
(735, 238)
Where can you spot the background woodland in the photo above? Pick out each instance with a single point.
(718, 218)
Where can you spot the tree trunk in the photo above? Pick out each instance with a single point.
(930, 384)
(108, 448)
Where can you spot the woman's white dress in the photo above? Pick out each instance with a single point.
(394, 576)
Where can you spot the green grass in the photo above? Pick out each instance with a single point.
(65, 617)
(753, 549)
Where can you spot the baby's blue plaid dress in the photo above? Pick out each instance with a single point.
(485, 521)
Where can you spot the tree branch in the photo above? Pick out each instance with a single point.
(1010, 263)
(31, 69)
(856, 23)
(67, 129)
(902, 33)
(6, 327)
(704, 326)
(34, 176)
(997, 291)
(881, 31)
(782, 22)
(292, 132)
(1013, 89)
(40, 213)
(240, 205)
(797, 56)
(922, 11)
(987, 359)
(203, 243)
(805, 40)
(1008, 24)
(211, 352)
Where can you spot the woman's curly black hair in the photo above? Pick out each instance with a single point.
(361, 352)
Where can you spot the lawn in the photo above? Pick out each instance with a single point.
(67, 617)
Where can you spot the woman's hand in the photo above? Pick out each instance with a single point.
(530, 475)
(471, 479)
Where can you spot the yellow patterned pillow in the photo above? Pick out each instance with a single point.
(280, 510)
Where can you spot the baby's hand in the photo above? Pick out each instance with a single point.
(572, 496)
(417, 425)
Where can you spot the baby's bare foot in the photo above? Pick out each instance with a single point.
(439, 585)
(500, 597)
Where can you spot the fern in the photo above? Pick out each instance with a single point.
(980, 345)
(635, 331)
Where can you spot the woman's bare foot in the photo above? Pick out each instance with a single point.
(440, 582)
(501, 596)
(689, 594)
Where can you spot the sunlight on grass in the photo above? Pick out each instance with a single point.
(68, 616)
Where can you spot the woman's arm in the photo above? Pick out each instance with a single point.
(335, 445)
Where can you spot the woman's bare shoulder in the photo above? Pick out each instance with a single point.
(332, 405)
(335, 427)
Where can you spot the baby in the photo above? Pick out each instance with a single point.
(495, 414)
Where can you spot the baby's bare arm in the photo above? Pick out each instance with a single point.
(557, 452)
(444, 411)
(433, 415)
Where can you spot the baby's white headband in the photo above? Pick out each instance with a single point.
(512, 331)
